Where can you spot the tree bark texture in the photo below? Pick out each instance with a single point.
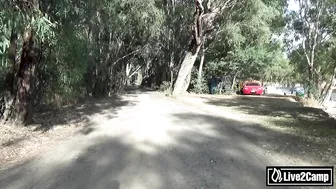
(191, 55)
(200, 69)
(25, 79)
(9, 96)
(21, 79)
(326, 99)
(198, 32)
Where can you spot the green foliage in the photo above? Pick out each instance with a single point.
(196, 86)
(311, 28)
(86, 44)
(165, 88)
(245, 46)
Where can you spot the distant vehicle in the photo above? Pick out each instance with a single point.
(252, 87)
(285, 90)
(298, 91)
(269, 89)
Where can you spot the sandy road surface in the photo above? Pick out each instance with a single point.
(155, 143)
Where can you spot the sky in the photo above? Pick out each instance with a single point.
(292, 5)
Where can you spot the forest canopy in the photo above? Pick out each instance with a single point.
(59, 52)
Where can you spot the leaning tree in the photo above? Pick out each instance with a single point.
(204, 23)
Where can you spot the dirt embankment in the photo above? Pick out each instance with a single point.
(51, 125)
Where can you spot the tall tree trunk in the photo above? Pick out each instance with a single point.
(234, 80)
(326, 98)
(10, 80)
(127, 73)
(197, 36)
(200, 69)
(171, 68)
(187, 82)
(326, 86)
(139, 77)
(317, 79)
(183, 78)
(171, 46)
(26, 75)
(310, 81)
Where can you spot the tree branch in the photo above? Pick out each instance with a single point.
(135, 71)
(125, 56)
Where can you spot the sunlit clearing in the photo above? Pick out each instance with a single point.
(147, 148)
(152, 132)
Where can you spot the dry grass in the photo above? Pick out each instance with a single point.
(52, 124)
(20, 143)
(308, 102)
(303, 119)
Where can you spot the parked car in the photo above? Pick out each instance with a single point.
(252, 87)
(268, 89)
(297, 91)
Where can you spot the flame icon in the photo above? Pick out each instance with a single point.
(276, 175)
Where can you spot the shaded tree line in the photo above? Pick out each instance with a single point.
(59, 52)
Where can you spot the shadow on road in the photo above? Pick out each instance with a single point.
(210, 152)
(55, 124)
(277, 107)
(289, 144)
(48, 117)
(79, 114)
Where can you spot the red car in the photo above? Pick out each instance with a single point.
(252, 87)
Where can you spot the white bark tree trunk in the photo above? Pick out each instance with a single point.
(197, 38)
(234, 80)
(127, 74)
(139, 78)
(182, 78)
(171, 69)
(200, 69)
(331, 87)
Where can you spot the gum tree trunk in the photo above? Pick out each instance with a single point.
(183, 78)
(200, 69)
(21, 80)
(25, 80)
(9, 96)
(326, 98)
(200, 19)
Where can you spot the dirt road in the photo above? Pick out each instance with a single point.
(154, 142)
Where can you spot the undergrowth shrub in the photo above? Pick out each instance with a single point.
(196, 87)
(165, 88)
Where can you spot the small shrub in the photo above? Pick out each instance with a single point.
(198, 88)
(165, 88)
(310, 102)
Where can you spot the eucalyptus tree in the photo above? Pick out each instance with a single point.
(237, 29)
(312, 27)
(204, 23)
(244, 45)
(64, 50)
(25, 29)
